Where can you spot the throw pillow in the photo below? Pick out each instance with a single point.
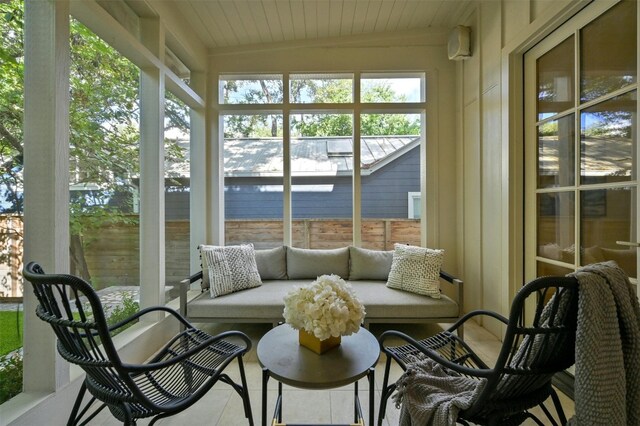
(272, 263)
(311, 263)
(369, 264)
(416, 269)
(229, 268)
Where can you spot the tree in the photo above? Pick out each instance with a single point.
(104, 136)
(319, 91)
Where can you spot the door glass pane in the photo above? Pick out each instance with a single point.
(607, 141)
(608, 52)
(320, 88)
(546, 269)
(556, 219)
(555, 71)
(607, 216)
(556, 153)
(253, 170)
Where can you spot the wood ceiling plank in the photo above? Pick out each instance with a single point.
(407, 14)
(195, 19)
(216, 17)
(236, 23)
(250, 26)
(348, 12)
(395, 13)
(372, 16)
(360, 16)
(382, 23)
(273, 19)
(297, 15)
(259, 17)
(335, 17)
(310, 19)
(324, 18)
(286, 22)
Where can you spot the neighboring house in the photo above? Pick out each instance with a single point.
(322, 169)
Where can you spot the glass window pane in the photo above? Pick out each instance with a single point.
(607, 216)
(322, 180)
(607, 141)
(380, 88)
(177, 194)
(104, 168)
(556, 153)
(555, 71)
(390, 170)
(609, 52)
(253, 185)
(556, 235)
(320, 88)
(250, 89)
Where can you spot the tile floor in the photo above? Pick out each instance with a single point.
(223, 407)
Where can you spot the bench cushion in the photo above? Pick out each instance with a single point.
(311, 263)
(266, 303)
(369, 264)
(272, 263)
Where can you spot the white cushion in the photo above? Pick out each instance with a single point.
(229, 268)
(416, 269)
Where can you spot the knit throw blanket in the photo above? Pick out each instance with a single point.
(431, 395)
(607, 370)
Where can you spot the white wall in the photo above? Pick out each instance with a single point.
(413, 51)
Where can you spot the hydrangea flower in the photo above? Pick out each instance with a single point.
(326, 307)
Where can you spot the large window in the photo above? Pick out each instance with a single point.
(289, 149)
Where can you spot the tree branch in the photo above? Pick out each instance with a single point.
(15, 143)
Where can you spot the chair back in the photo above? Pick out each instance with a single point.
(539, 342)
(73, 309)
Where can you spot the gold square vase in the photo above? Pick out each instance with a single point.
(310, 341)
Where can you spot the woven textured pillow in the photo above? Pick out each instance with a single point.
(229, 268)
(416, 269)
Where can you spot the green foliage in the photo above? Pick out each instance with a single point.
(128, 307)
(10, 331)
(325, 91)
(10, 340)
(10, 377)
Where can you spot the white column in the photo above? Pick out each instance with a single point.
(46, 177)
(198, 175)
(152, 263)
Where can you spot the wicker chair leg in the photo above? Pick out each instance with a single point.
(386, 391)
(245, 392)
(558, 406)
(76, 406)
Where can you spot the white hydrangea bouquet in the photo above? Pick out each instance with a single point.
(328, 307)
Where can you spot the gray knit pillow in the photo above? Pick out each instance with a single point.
(229, 268)
(416, 269)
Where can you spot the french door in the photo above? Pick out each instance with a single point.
(581, 143)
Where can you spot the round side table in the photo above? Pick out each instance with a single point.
(282, 358)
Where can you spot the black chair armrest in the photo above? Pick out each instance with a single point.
(146, 311)
(475, 313)
(155, 365)
(184, 288)
(475, 372)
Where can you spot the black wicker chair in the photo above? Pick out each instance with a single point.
(176, 377)
(531, 354)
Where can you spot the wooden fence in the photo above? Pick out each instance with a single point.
(113, 256)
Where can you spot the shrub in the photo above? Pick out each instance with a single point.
(10, 376)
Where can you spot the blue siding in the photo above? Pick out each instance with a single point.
(384, 195)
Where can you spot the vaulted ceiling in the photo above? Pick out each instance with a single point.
(229, 23)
